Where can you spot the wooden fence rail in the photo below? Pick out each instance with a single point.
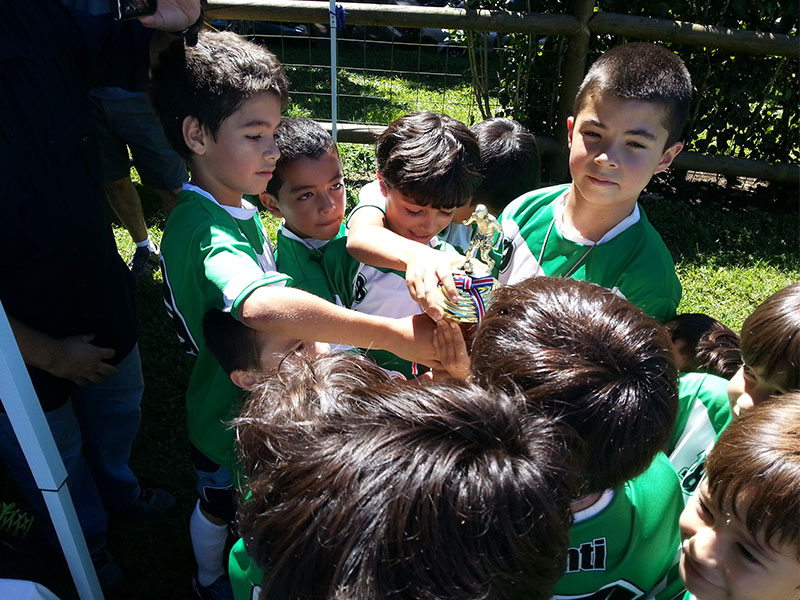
(578, 28)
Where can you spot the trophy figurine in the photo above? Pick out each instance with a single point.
(473, 277)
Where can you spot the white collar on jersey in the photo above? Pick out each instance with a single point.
(243, 213)
(558, 217)
(311, 243)
(599, 506)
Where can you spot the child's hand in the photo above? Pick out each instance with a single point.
(425, 272)
(448, 341)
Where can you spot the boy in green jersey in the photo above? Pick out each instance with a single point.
(770, 351)
(629, 114)
(428, 170)
(581, 353)
(307, 192)
(741, 532)
(220, 103)
(364, 489)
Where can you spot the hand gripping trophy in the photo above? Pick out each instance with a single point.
(474, 277)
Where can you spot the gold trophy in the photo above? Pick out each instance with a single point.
(473, 277)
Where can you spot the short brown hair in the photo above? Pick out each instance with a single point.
(757, 458)
(402, 490)
(431, 158)
(771, 335)
(210, 81)
(580, 352)
(711, 346)
(642, 71)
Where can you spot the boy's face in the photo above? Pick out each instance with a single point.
(615, 147)
(311, 197)
(720, 559)
(242, 157)
(752, 385)
(408, 219)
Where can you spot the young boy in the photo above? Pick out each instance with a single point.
(581, 353)
(629, 114)
(247, 355)
(770, 351)
(307, 192)
(509, 162)
(428, 170)
(510, 168)
(703, 344)
(399, 490)
(741, 532)
(220, 103)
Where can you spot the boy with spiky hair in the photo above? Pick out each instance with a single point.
(629, 114)
(741, 532)
(581, 353)
(770, 351)
(307, 192)
(400, 490)
(428, 170)
(220, 103)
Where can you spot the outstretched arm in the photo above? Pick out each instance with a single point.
(369, 241)
(290, 312)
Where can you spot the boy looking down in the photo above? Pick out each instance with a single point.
(629, 114)
(428, 169)
(581, 353)
(220, 103)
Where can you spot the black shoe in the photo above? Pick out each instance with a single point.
(219, 590)
(151, 502)
(109, 573)
(144, 261)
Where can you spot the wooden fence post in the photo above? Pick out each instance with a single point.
(574, 70)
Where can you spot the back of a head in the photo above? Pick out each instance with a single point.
(756, 460)
(582, 353)
(708, 346)
(419, 491)
(771, 336)
(431, 158)
(298, 137)
(210, 81)
(510, 162)
(642, 71)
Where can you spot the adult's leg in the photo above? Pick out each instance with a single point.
(109, 415)
(82, 488)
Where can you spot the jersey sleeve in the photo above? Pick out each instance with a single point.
(340, 269)
(232, 266)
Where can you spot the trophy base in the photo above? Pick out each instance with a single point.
(474, 296)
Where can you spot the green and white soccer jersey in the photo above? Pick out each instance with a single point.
(301, 260)
(374, 291)
(625, 545)
(704, 411)
(213, 256)
(631, 259)
(245, 575)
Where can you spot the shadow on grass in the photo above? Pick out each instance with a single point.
(734, 227)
